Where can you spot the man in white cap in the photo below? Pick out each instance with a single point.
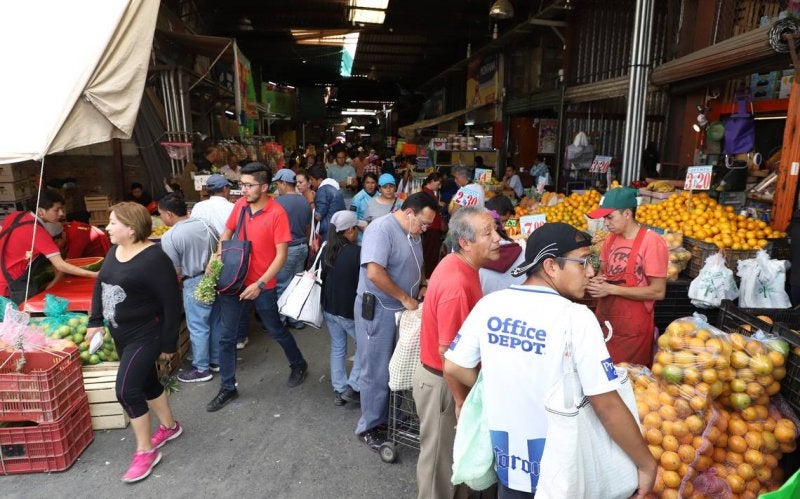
(299, 213)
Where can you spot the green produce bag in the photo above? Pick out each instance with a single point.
(789, 490)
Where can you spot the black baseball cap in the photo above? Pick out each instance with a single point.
(551, 240)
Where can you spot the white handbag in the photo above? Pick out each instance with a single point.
(302, 298)
(580, 460)
(405, 358)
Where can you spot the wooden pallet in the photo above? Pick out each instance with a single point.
(99, 382)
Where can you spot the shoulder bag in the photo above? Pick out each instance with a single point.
(235, 256)
(580, 460)
(40, 269)
(302, 298)
(405, 358)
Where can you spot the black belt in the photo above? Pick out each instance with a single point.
(433, 371)
(297, 244)
(186, 278)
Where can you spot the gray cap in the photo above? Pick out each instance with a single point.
(345, 219)
(216, 183)
(285, 175)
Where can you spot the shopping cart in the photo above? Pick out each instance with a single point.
(403, 425)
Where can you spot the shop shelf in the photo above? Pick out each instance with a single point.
(46, 447)
(48, 386)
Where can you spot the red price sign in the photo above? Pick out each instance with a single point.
(600, 164)
(530, 223)
(698, 178)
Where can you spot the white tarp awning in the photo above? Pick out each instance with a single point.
(73, 74)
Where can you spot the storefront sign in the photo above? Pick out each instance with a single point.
(281, 100)
(600, 164)
(698, 178)
(482, 80)
(530, 223)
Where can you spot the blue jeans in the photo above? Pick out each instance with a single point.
(340, 328)
(267, 307)
(202, 321)
(295, 263)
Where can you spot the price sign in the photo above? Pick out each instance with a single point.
(698, 178)
(483, 175)
(530, 223)
(200, 181)
(600, 164)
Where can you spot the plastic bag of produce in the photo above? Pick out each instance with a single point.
(17, 333)
(678, 260)
(693, 359)
(59, 322)
(713, 284)
(763, 282)
(674, 240)
(757, 366)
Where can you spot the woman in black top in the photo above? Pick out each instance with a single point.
(341, 259)
(137, 296)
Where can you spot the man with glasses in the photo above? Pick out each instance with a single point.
(633, 275)
(518, 335)
(345, 175)
(267, 227)
(389, 281)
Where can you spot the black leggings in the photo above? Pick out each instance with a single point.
(137, 378)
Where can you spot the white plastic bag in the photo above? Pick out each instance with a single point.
(763, 282)
(580, 459)
(473, 456)
(714, 284)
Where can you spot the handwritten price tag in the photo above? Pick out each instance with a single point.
(530, 223)
(698, 178)
(600, 164)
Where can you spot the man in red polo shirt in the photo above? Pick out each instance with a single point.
(267, 227)
(16, 238)
(454, 288)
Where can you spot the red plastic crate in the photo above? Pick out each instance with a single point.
(48, 387)
(46, 447)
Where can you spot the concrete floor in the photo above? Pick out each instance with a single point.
(271, 442)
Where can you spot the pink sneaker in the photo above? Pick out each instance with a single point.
(142, 464)
(164, 435)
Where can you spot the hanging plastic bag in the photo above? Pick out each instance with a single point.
(763, 282)
(713, 284)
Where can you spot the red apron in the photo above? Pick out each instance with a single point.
(632, 323)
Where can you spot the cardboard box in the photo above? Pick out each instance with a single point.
(15, 172)
(785, 89)
(16, 191)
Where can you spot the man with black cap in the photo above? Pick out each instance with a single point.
(299, 213)
(518, 335)
(627, 287)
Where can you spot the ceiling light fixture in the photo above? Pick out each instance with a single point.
(370, 4)
(502, 9)
(367, 16)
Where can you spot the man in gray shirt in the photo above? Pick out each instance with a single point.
(189, 244)
(299, 213)
(389, 281)
(345, 174)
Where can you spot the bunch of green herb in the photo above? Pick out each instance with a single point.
(206, 291)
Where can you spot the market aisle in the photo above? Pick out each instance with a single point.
(272, 442)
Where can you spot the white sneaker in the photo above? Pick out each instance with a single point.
(242, 344)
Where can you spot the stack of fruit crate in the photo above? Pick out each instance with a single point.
(45, 423)
(98, 208)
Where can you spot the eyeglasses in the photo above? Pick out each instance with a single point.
(422, 224)
(583, 261)
(247, 186)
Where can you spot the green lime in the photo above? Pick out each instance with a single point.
(101, 355)
(77, 338)
(106, 336)
(114, 357)
(94, 359)
(85, 357)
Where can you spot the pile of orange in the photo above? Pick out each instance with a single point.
(689, 433)
(704, 219)
(572, 209)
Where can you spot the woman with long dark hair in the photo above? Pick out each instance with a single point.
(341, 259)
(432, 238)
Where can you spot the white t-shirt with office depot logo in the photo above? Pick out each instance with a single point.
(469, 195)
(518, 336)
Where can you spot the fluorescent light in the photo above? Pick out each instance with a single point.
(357, 112)
(370, 4)
(367, 16)
(763, 118)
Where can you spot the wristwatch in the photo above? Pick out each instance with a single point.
(262, 285)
